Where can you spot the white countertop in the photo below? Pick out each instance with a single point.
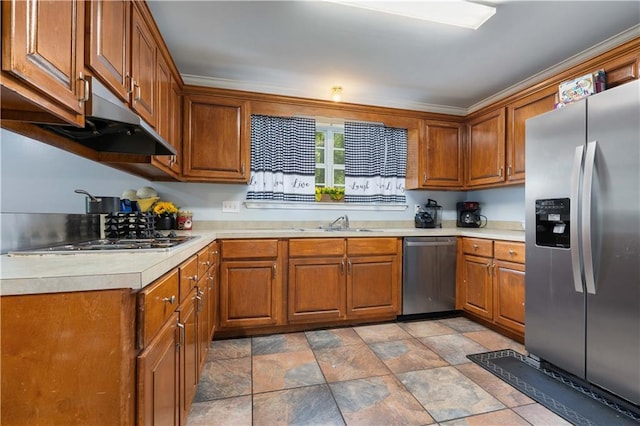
(50, 273)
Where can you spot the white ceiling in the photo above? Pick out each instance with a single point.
(303, 48)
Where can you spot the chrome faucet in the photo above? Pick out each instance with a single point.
(345, 222)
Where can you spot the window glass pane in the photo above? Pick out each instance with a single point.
(338, 157)
(338, 177)
(320, 177)
(320, 138)
(319, 156)
(338, 140)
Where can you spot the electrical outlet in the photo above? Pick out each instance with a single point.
(230, 206)
(417, 208)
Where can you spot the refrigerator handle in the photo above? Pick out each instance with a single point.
(587, 251)
(574, 240)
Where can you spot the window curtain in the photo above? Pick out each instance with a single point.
(375, 163)
(282, 159)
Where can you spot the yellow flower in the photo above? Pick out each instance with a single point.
(164, 207)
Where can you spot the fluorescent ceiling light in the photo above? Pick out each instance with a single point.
(454, 12)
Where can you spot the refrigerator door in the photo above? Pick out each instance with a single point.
(555, 314)
(613, 299)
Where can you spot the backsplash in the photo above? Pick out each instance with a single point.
(24, 231)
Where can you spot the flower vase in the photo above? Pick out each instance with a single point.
(164, 222)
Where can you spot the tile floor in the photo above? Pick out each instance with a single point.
(411, 373)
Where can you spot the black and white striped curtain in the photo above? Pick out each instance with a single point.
(375, 163)
(282, 159)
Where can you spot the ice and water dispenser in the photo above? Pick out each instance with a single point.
(552, 222)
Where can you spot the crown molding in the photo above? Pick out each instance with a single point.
(252, 86)
(577, 59)
(248, 86)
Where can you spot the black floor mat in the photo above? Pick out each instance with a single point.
(570, 400)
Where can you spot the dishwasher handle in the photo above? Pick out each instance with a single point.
(429, 243)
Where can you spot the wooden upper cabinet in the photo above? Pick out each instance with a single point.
(42, 46)
(108, 42)
(143, 68)
(440, 155)
(216, 140)
(486, 149)
(518, 112)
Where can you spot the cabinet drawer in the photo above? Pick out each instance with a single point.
(316, 247)
(371, 246)
(156, 303)
(477, 246)
(509, 251)
(204, 262)
(188, 276)
(254, 249)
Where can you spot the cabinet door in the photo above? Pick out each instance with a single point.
(143, 68)
(441, 155)
(373, 286)
(316, 289)
(216, 139)
(108, 39)
(158, 373)
(213, 286)
(43, 46)
(188, 354)
(249, 293)
(509, 294)
(477, 286)
(518, 113)
(202, 320)
(485, 149)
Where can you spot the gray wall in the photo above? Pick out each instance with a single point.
(38, 178)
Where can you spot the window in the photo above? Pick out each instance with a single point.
(329, 154)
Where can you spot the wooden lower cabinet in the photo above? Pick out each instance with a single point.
(341, 279)
(188, 354)
(373, 286)
(509, 293)
(250, 283)
(477, 285)
(174, 344)
(491, 282)
(316, 289)
(68, 358)
(158, 378)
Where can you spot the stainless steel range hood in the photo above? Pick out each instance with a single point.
(110, 126)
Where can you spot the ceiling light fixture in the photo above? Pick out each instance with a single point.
(454, 12)
(336, 93)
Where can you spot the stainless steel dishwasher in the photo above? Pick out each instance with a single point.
(429, 275)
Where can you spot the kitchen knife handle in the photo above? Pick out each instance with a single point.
(574, 215)
(587, 249)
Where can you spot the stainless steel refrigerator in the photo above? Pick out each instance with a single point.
(582, 198)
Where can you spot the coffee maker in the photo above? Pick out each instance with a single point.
(469, 214)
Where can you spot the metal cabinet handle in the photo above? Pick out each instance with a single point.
(512, 252)
(424, 177)
(342, 267)
(509, 170)
(128, 82)
(85, 94)
(182, 335)
(349, 267)
(193, 278)
(475, 246)
(274, 271)
(171, 300)
(500, 171)
(136, 97)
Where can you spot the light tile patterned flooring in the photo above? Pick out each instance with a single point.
(411, 373)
